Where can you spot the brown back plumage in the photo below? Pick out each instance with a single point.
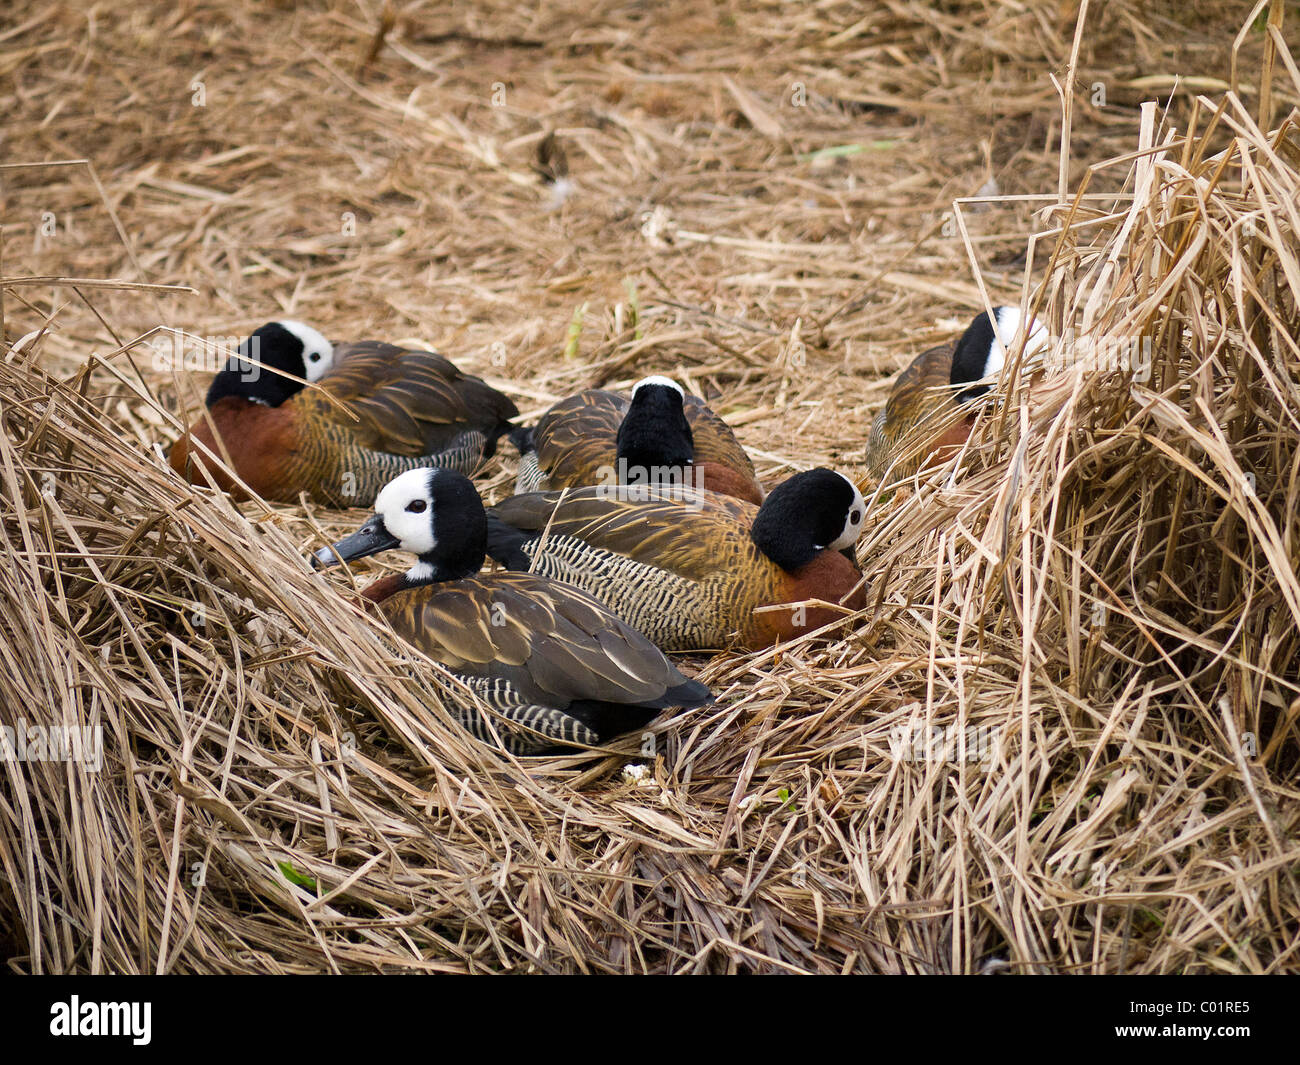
(677, 564)
(406, 401)
(578, 436)
(553, 643)
(918, 417)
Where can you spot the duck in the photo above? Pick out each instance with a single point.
(557, 668)
(376, 410)
(931, 408)
(659, 434)
(693, 569)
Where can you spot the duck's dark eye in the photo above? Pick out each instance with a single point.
(416, 506)
(314, 356)
(855, 517)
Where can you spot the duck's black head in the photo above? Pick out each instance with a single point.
(290, 347)
(982, 349)
(806, 514)
(433, 513)
(655, 433)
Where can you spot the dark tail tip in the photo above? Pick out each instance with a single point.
(519, 435)
(692, 693)
(522, 437)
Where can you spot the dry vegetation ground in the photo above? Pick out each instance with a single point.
(762, 207)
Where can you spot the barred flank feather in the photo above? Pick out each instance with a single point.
(541, 726)
(529, 477)
(676, 613)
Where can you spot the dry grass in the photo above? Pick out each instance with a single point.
(1102, 589)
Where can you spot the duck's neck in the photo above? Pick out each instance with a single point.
(385, 587)
(417, 576)
(432, 568)
(788, 548)
(653, 433)
(254, 384)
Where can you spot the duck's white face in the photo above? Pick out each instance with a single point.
(1008, 322)
(666, 382)
(406, 506)
(317, 352)
(854, 520)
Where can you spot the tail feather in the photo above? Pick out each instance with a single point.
(691, 693)
(519, 435)
(609, 719)
(522, 437)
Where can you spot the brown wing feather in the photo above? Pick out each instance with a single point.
(406, 401)
(576, 437)
(554, 643)
(714, 440)
(920, 393)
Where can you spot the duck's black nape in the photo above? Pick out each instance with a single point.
(271, 346)
(654, 431)
(800, 516)
(970, 358)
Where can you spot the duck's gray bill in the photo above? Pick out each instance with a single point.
(370, 539)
